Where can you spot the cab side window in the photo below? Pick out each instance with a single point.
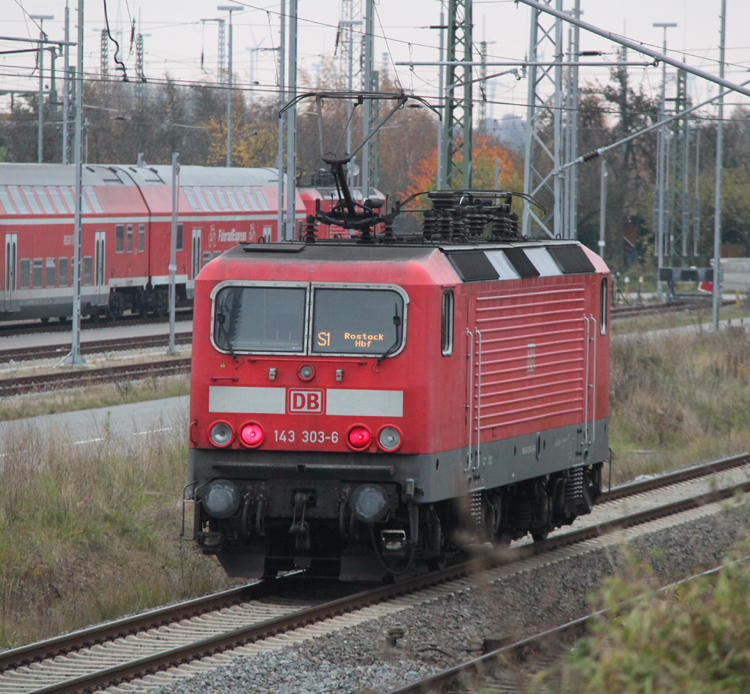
(446, 329)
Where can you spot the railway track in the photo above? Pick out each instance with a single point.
(193, 636)
(76, 379)
(92, 347)
(507, 668)
(636, 310)
(30, 328)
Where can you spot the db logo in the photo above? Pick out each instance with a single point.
(307, 401)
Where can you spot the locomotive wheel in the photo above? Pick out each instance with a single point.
(63, 319)
(44, 320)
(540, 535)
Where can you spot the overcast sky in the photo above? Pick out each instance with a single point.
(177, 42)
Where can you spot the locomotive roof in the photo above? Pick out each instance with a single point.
(472, 262)
(105, 175)
(343, 250)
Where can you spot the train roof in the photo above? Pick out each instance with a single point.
(472, 262)
(119, 175)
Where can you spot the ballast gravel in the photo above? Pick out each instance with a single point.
(451, 629)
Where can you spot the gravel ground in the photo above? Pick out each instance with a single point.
(451, 629)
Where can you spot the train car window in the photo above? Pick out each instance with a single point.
(217, 254)
(65, 190)
(25, 273)
(211, 199)
(357, 321)
(16, 195)
(603, 307)
(180, 237)
(202, 200)
(251, 198)
(62, 272)
(91, 195)
(446, 329)
(241, 199)
(261, 198)
(41, 193)
(5, 200)
(267, 234)
(206, 258)
(84, 204)
(191, 199)
(119, 238)
(31, 200)
(260, 319)
(49, 279)
(38, 269)
(130, 238)
(232, 199)
(141, 238)
(88, 271)
(59, 204)
(222, 199)
(502, 265)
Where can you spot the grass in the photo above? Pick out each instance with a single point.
(678, 399)
(691, 637)
(92, 397)
(677, 319)
(89, 533)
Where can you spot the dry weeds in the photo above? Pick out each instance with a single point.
(91, 532)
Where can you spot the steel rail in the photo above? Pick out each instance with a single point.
(9, 329)
(152, 619)
(94, 347)
(260, 630)
(477, 667)
(76, 379)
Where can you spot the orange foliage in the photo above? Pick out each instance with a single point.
(486, 151)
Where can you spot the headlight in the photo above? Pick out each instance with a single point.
(221, 434)
(221, 499)
(369, 503)
(389, 438)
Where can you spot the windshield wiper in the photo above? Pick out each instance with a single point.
(394, 346)
(220, 320)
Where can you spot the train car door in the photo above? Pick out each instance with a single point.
(100, 278)
(11, 264)
(196, 260)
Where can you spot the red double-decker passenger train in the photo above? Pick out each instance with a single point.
(126, 227)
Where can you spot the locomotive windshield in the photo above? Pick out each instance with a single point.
(260, 319)
(357, 321)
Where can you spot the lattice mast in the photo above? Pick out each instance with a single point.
(457, 117)
(545, 97)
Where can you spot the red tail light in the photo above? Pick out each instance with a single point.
(252, 435)
(359, 437)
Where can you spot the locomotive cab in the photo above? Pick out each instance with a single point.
(354, 406)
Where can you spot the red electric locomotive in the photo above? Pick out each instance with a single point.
(355, 402)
